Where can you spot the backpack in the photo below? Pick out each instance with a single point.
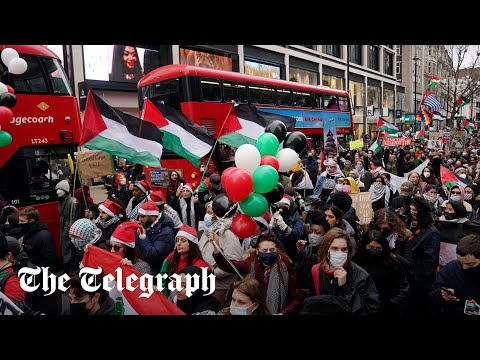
(36, 303)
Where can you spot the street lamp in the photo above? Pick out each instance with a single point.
(416, 58)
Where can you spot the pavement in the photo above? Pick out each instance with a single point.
(98, 193)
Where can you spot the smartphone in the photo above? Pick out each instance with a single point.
(448, 291)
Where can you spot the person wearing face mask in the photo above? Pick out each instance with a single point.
(380, 193)
(374, 255)
(457, 193)
(66, 207)
(453, 225)
(365, 176)
(83, 303)
(311, 203)
(37, 240)
(424, 247)
(273, 269)
(461, 172)
(359, 185)
(311, 165)
(428, 178)
(460, 277)
(327, 179)
(471, 197)
(119, 189)
(430, 193)
(343, 281)
(307, 255)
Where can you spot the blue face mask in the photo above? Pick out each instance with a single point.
(268, 258)
(235, 310)
(306, 208)
(455, 197)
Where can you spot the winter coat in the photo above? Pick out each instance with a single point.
(38, 244)
(124, 195)
(159, 242)
(66, 206)
(288, 238)
(465, 284)
(359, 292)
(230, 246)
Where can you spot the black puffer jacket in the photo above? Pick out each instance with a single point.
(38, 244)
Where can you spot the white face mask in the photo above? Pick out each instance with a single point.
(314, 239)
(426, 175)
(60, 193)
(463, 176)
(207, 220)
(339, 187)
(468, 196)
(123, 181)
(337, 258)
(235, 310)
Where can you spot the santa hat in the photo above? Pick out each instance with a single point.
(125, 233)
(143, 185)
(189, 233)
(149, 208)
(189, 187)
(285, 200)
(264, 219)
(157, 197)
(111, 208)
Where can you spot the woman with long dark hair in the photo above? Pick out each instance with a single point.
(174, 182)
(126, 64)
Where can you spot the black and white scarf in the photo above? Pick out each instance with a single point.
(378, 190)
(183, 208)
(105, 224)
(132, 214)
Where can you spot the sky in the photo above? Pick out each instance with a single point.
(470, 57)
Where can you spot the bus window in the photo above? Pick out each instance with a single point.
(330, 102)
(57, 76)
(233, 91)
(262, 95)
(318, 101)
(302, 99)
(343, 103)
(211, 90)
(166, 92)
(284, 97)
(32, 80)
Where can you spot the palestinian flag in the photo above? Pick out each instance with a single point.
(114, 132)
(420, 135)
(243, 125)
(128, 302)
(377, 145)
(448, 178)
(462, 101)
(384, 125)
(469, 125)
(180, 134)
(435, 81)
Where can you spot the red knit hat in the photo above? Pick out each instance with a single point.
(149, 208)
(125, 233)
(189, 233)
(157, 197)
(111, 208)
(189, 187)
(143, 185)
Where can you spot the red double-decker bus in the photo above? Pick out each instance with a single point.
(45, 128)
(206, 95)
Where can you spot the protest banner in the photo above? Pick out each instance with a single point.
(94, 164)
(356, 144)
(362, 203)
(396, 141)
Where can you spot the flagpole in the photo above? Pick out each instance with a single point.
(215, 144)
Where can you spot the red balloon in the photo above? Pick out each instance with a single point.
(10, 89)
(243, 226)
(239, 185)
(270, 160)
(226, 173)
(6, 115)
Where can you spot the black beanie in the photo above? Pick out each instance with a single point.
(342, 200)
(460, 211)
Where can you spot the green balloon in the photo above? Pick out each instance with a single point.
(5, 138)
(265, 178)
(254, 205)
(267, 144)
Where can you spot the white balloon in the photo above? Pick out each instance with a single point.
(8, 55)
(287, 159)
(3, 88)
(247, 157)
(17, 66)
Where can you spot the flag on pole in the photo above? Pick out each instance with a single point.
(421, 135)
(424, 115)
(432, 101)
(112, 131)
(435, 81)
(180, 134)
(128, 302)
(377, 145)
(462, 101)
(384, 125)
(242, 126)
(469, 125)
